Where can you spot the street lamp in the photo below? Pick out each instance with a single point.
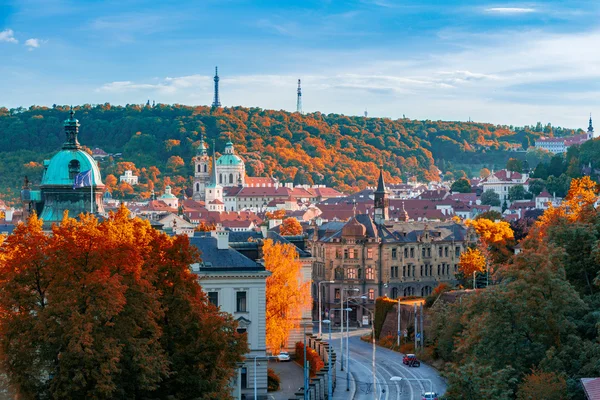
(330, 389)
(320, 306)
(399, 378)
(342, 322)
(255, 364)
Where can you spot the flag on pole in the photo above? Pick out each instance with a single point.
(83, 179)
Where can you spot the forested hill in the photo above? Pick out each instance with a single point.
(337, 150)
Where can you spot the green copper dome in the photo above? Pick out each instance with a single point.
(62, 168)
(229, 159)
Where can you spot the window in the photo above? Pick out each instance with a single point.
(439, 251)
(423, 252)
(457, 251)
(338, 253)
(421, 270)
(430, 270)
(370, 274)
(446, 251)
(394, 254)
(369, 253)
(205, 168)
(337, 293)
(412, 252)
(455, 267)
(413, 270)
(371, 294)
(351, 273)
(405, 252)
(220, 179)
(199, 168)
(213, 297)
(230, 178)
(244, 378)
(241, 302)
(339, 273)
(73, 169)
(241, 330)
(352, 253)
(438, 269)
(345, 253)
(429, 252)
(394, 272)
(404, 271)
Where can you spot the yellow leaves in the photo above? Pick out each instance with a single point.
(490, 232)
(471, 261)
(290, 227)
(287, 294)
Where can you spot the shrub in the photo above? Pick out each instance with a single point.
(273, 381)
(314, 361)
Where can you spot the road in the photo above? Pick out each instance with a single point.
(388, 364)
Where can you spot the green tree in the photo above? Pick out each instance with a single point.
(558, 186)
(490, 198)
(461, 186)
(536, 186)
(514, 165)
(491, 215)
(557, 166)
(541, 171)
(517, 192)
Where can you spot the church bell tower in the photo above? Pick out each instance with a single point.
(201, 175)
(381, 201)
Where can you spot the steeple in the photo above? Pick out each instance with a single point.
(216, 102)
(381, 200)
(590, 130)
(71, 130)
(202, 147)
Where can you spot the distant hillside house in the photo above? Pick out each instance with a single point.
(99, 154)
(561, 144)
(129, 178)
(502, 181)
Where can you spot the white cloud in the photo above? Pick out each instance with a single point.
(510, 10)
(8, 35)
(32, 43)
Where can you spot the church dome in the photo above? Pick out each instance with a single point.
(354, 228)
(62, 168)
(229, 158)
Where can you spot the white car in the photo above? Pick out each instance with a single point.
(283, 356)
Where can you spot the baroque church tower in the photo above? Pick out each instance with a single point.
(381, 201)
(201, 175)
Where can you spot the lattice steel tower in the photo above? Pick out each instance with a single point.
(299, 100)
(216, 102)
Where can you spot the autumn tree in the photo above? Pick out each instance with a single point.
(542, 385)
(277, 214)
(287, 294)
(471, 261)
(484, 173)
(514, 165)
(290, 227)
(110, 310)
(174, 163)
(205, 227)
(111, 182)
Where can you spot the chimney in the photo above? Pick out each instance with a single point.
(263, 231)
(8, 214)
(222, 239)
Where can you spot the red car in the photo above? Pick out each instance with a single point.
(411, 360)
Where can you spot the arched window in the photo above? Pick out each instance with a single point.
(205, 168)
(73, 168)
(197, 187)
(199, 168)
(230, 178)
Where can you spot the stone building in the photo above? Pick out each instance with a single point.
(369, 257)
(56, 193)
(201, 174)
(231, 170)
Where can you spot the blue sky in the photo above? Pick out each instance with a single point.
(500, 62)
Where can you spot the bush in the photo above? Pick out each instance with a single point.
(314, 361)
(273, 381)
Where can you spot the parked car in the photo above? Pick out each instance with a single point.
(411, 360)
(430, 396)
(283, 356)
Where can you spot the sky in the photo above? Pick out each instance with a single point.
(512, 63)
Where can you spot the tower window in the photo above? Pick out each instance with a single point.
(205, 168)
(199, 168)
(230, 178)
(73, 169)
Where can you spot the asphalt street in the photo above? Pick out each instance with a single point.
(388, 364)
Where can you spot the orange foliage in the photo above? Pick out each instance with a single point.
(542, 385)
(290, 227)
(315, 364)
(287, 295)
(471, 261)
(490, 232)
(204, 227)
(277, 214)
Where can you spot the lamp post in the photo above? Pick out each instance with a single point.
(320, 306)
(330, 387)
(399, 378)
(255, 364)
(342, 322)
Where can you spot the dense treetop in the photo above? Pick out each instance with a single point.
(337, 150)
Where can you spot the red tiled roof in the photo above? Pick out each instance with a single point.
(260, 180)
(264, 192)
(236, 224)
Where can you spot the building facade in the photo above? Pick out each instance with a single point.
(237, 285)
(201, 174)
(370, 257)
(231, 170)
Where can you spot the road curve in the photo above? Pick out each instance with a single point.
(388, 363)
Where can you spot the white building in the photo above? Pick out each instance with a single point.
(561, 144)
(502, 181)
(237, 285)
(231, 170)
(169, 198)
(129, 178)
(201, 175)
